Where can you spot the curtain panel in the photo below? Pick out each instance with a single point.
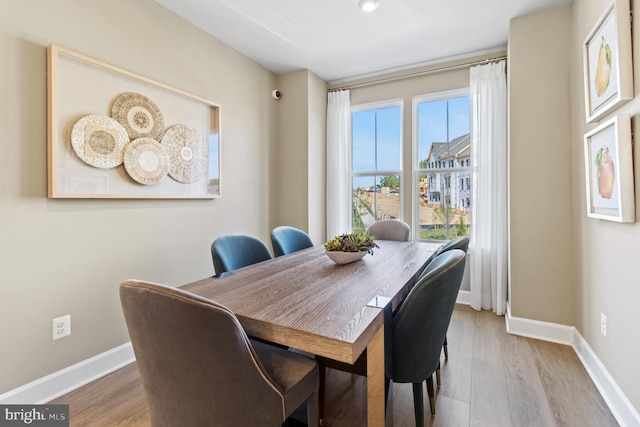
(338, 162)
(489, 175)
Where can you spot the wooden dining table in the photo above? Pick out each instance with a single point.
(306, 301)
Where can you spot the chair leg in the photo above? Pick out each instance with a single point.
(387, 384)
(353, 380)
(446, 349)
(313, 416)
(418, 406)
(438, 382)
(432, 395)
(388, 394)
(321, 392)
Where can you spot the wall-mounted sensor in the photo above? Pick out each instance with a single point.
(275, 94)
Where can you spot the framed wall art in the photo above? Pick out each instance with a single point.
(609, 171)
(114, 134)
(608, 69)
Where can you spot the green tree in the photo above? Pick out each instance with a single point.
(390, 181)
(462, 229)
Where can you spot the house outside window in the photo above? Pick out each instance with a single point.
(376, 151)
(442, 174)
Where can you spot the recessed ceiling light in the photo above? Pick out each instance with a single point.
(369, 5)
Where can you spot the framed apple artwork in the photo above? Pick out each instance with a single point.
(609, 171)
(608, 69)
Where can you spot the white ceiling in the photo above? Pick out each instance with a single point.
(338, 42)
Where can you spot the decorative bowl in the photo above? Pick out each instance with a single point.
(345, 257)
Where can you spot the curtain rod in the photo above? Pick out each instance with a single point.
(419, 73)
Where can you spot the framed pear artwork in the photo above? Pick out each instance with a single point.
(608, 70)
(609, 171)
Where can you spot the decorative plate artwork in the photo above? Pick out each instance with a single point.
(99, 141)
(139, 116)
(187, 151)
(146, 161)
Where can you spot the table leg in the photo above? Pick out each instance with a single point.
(375, 381)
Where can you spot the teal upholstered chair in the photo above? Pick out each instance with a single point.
(286, 240)
(236, 251)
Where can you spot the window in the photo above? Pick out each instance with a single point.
(442, 165)
(376, 153)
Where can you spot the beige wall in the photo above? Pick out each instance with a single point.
(542, 277)
(607, 253)
(68, 256)
(299, 166)
(317, 158)
(291, 165)
(579, 267)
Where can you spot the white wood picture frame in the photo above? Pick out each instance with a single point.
(609, 171)
(608, 68)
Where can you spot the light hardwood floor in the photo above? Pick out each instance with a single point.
(490, 379)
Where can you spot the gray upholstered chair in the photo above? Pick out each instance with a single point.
(236, 251)
(415, 332)
(199, 368)
(462, 243)
(390, 229)
(286, 240)
(420, 325)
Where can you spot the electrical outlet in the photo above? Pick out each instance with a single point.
(61, 327)
(603, 324)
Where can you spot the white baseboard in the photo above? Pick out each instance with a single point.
(464, 297)
(621, 408)
(68, 379)
(545, 331)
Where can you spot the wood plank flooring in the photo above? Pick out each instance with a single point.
(490, 379)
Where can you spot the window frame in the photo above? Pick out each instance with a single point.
(415, 160)
(377, 105)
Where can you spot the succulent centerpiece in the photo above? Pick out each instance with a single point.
(349, 247)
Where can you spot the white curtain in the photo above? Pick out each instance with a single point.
(488, 248)
(338, 162)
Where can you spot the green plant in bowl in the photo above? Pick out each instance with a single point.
(351, 242)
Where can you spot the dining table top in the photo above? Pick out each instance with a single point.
(306, 301)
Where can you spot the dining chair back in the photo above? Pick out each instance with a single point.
(420, 325)
(199, 368)
(236, 251)
(390, 229)
(286, 240)
(462, 243)
(414, 333)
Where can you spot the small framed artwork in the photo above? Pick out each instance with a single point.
(609, 171)
(115, 134)
(608, 70)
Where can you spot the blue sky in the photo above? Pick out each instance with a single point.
(432, 122)
(385, 124)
